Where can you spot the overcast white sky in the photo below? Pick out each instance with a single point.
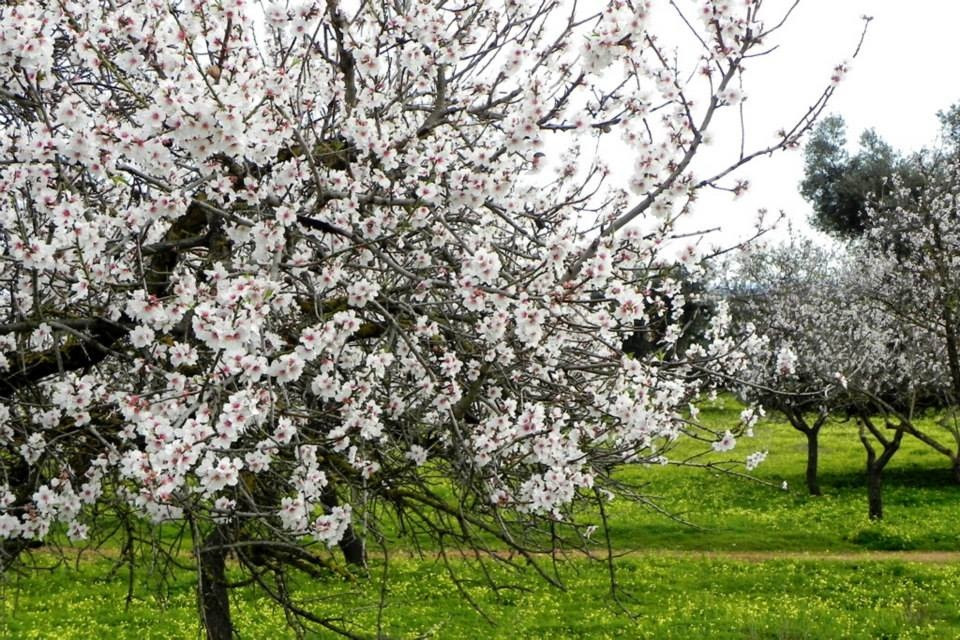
(906, 72)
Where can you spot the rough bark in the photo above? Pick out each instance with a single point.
(214, 598)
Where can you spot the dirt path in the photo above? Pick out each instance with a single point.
(927, 557)
(930, 557)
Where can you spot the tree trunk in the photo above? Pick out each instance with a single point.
(955, 468)
(18, 479)
(813, 455)
(353, 549)
(876, 464)
(214, 600)
(351, 545)
(875, 491)
(812, 433)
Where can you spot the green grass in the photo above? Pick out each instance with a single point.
(921, 502)
(666, 597)
(668, 589)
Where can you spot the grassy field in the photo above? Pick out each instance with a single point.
(921, 504)
(760, 562)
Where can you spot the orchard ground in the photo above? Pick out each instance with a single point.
(760, 562)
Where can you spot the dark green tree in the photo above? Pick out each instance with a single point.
(841, 186)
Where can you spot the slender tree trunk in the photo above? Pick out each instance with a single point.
(214, 599)
(812, 433)
(813, 457)
(877, 463)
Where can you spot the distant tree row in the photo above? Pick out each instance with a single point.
(868, 328)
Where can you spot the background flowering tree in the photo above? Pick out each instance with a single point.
(788, 293)
(911, 255)
(899, 216)
(307, 275)
(834, 350)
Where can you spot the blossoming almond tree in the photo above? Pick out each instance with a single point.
(789, 294)
(293, 275)
(834, 350)
(885, 367)
(912, 253)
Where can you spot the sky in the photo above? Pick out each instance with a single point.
(905, 72)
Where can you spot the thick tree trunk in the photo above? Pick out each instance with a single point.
(351, 545)
(19, 480)
(875, 492)
(813, 456)
(214, 600)
(955, 469)
(353, 549)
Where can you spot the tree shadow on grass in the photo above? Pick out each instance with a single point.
(913, 476)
